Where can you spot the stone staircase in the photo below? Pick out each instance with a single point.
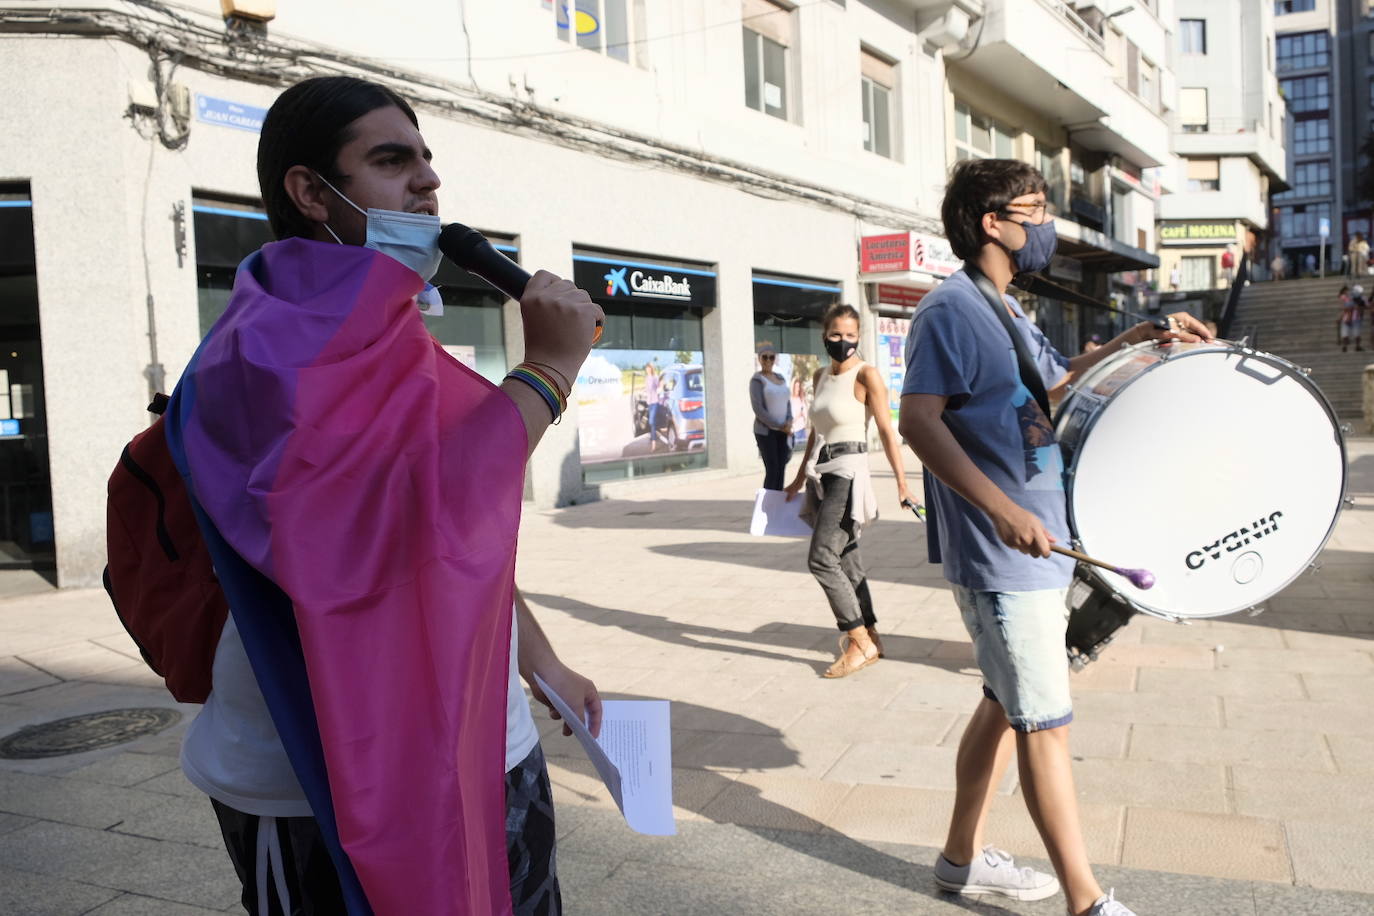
(1297, 319)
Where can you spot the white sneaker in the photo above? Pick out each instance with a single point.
(1108, 906)
(995, 872)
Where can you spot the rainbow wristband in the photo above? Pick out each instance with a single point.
(548, 380)
(546, 391)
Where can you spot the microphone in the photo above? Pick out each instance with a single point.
(470, 250)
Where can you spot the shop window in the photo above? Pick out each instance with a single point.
(614, 28)
(1199, 272)
(767, 41)
(979, 137)
(641, 394)
(878, 83)
(472, 328)
(1204, 174)
(227, 230)
(787, 316)
(1192, 36)
(1192, 110)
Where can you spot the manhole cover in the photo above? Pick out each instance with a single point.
(86, 733)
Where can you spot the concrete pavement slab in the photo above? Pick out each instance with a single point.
(1219, 845)
(18, 676)
(180, 820)
(1298, 661)
(1257, 685)
(28, 894)
(1274, 749)
(1353, 753)
(1153, 784)
(71, 801)
(1328, 716)
(1332, 855)
(778, 801)
(139, 905)
(1293, 795)
(124, 769)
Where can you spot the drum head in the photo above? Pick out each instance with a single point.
(1219, 471)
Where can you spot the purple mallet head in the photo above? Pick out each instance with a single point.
(1141, 578)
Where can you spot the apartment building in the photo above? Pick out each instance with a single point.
(1228, 132)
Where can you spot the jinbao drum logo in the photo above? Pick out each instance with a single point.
(1235, 540)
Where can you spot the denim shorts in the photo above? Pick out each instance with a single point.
(1018, 643)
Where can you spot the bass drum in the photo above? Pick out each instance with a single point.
(1219, 468)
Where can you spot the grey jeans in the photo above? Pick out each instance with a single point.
(834, 558)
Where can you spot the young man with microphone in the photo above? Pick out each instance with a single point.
(995, 491)
(366, 745)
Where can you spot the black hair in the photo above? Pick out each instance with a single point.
(836, 311)
(307, 125)
(978, 186)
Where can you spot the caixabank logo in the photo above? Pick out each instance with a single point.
(623, 281)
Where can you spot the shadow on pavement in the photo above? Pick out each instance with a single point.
(664, 514)
(803, 834)
(796, 636)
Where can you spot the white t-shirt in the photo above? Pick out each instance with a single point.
(232, 753)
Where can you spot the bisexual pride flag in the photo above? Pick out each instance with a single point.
(360, 493)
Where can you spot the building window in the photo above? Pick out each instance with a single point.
(1149, 84)
(1192, 110)
(1304, 51)
(978, 137)
(1199, 272)
(1307, 93)
(1192, 36)
(1204, 174)
(611, 27)
(1312, 137)
(1284, 7)
(1311, 179)
(1050, 162)
(1302, 221)
(878, 81)
(767, 37)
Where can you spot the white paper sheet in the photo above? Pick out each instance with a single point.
(633, 756)
(773, 514)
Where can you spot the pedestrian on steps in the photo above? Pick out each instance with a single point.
(1352, 316)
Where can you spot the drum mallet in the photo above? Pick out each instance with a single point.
(1141, 578)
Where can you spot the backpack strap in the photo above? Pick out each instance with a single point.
(1030, 373)
(159, 405)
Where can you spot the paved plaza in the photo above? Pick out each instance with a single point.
(1223, 767)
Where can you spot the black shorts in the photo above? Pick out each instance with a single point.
(297, 868)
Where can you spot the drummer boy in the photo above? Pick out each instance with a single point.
(995, 484)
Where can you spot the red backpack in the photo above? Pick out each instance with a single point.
(159, 574)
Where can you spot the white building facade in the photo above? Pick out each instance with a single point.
(1229, 134)
(734, 153)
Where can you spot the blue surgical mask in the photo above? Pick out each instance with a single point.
(1036, 254)
(411, 238)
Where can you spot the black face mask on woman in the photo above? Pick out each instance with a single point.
(840, 350)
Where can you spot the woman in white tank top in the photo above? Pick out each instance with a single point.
(839, 493)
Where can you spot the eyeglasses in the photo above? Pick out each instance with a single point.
(1031, 210)
(767, 356)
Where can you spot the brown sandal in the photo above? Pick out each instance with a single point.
(873, 635)
(843, 667)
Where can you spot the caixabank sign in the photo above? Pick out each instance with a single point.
(629, 280)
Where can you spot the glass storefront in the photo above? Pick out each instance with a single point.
(226, 232)
(787, 317)
(641, 394)
(26, 518)
(471, 328)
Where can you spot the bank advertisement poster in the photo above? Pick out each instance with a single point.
(637, 403)
(799, 369)
(891, 359)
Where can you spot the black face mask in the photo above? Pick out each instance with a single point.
(840, 350)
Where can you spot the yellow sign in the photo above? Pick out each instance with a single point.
(1176, 232)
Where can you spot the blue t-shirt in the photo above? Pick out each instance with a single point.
(958, 348)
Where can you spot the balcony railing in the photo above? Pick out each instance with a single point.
(1220, 126)
(1075, 22)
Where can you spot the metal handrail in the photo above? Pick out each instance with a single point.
(1075, 21)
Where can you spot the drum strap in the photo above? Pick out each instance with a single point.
(1030, 373)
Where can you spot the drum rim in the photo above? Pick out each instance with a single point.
(1289, 368)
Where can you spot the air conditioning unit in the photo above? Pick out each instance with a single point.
(253, 10)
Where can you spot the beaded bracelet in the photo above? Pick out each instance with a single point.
(546, 391)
